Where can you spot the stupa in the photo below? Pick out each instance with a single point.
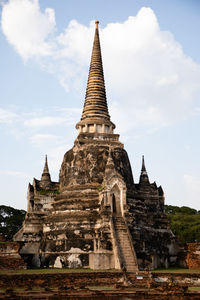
(96, 216)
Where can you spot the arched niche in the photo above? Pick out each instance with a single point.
(117, 196)
(116, 201)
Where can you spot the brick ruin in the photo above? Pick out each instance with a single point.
(9, 256)
(193, 255)
(96, 216)
(99, 285)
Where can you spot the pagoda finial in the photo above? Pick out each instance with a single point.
(97, 24)
(143, 176)
(45, 174)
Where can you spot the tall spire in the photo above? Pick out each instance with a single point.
(95, 105)
(46, 178)
(95, 118)
(143, 176)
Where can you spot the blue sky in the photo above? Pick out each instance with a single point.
(152, 71)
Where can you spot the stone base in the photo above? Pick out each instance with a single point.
(101, 261)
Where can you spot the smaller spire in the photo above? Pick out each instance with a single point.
(143, 176)
(110, 165)
(46, 168)
(46, 178)
(110, 162)
(143, 165)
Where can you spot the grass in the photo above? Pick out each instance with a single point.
(103, 287)
(50, 271)
(194, 289)
(7, 242)
(176, 270)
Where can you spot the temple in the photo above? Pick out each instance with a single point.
(96, 216)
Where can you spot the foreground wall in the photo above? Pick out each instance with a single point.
(193, 256)
(9, 256)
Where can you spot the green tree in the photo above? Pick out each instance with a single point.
(185, 223)
(10, 221)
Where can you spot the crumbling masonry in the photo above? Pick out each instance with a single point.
(96, 216)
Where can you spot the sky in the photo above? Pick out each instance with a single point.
(151, 60)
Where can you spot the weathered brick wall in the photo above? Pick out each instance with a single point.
(181, 279)
(9, 248)
(193, 256)
(9, 256)
(82, 279)
(74, 286)
(59, 279)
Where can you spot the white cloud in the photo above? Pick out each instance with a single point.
(17, 174)
(27, 28)
(37, 119)
(42, 140)
(75, 42)
(147, 72)
(29, 126)
(60, 116)
(6, 116)
(150, 81)
(44, 121)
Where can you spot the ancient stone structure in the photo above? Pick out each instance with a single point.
(96, 216)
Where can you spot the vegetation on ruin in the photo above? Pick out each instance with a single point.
(54, 270)
(194, 289)
(100, 188)
(185, 223)
(176, 270)
(47, 192)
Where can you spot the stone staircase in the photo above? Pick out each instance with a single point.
(124, 242)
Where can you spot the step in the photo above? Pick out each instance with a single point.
(130, 263)
(119, 223)
(128, 255)
(123, 237)
(130, 260)
(124, 243)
